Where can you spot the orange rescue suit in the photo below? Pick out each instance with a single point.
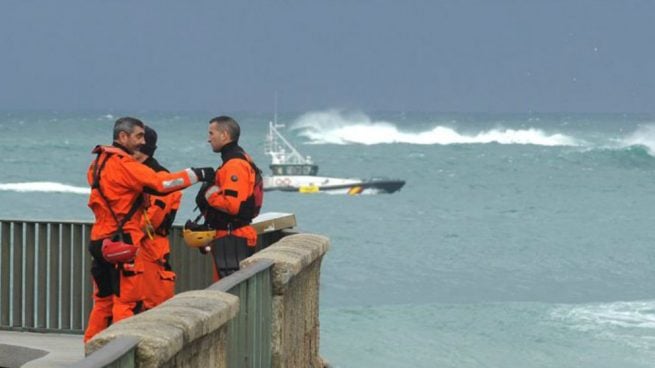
(159, 278)
(234, 184)
(118, 291)
(123, 179)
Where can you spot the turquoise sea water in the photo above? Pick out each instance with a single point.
(518, 240)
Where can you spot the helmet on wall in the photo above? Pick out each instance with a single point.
(196, 235)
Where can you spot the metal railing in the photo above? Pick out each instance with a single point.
(249, 334)
(45, 281)
(44, 275)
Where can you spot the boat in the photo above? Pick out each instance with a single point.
(293, 172)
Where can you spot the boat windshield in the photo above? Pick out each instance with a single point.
(290, 169)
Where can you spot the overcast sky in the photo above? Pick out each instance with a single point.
(449, 56)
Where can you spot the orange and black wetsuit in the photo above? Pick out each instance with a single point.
(233, 187)
(158, 275)
(118, 289)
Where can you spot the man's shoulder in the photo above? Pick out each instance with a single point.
(114, 154)
(109, 150)
(122, 162)
(235, 163)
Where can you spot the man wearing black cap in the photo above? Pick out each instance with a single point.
(159, 279)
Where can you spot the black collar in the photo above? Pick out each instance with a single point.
(229, 150)
(154, 164)
(118, 145)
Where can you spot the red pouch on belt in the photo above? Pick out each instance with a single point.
(118, 251)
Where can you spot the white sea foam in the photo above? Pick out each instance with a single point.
(335, 127)
(627, 323)
(643, 136)
(43, 186)
(634, 314)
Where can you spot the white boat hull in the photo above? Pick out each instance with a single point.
(293, 172)
(323, 184)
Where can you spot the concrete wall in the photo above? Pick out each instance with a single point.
(190, 329)
(185, 331)
(296, 276)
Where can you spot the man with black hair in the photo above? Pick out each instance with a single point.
(158, 275)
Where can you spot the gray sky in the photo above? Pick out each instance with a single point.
(468, 56)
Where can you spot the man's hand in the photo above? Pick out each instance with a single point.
(206, 174)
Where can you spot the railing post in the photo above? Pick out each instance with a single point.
(66, 274)
(5, 276)
(42, 284)
(30, 259)
(17, 275)
(88, 280)
(54, 264)
(78, 277)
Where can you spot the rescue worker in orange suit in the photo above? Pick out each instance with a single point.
(158, 275)
(118, 182)
(230, 197)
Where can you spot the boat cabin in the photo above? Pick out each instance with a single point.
(294, 169)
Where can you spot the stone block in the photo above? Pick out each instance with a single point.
(291, 255)
(164, 331)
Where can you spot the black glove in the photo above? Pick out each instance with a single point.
(205, 174)
(201, 201)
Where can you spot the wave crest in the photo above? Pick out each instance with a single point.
(43, 186)
(631, 322)
(626, 322)
(644, 136)
(334, 127)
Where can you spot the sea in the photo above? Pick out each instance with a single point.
(519, 240)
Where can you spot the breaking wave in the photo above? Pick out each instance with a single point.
(636, 148)
(630, 322)
(633, 314)
(43, 186)
(644, 136)
(334, 127)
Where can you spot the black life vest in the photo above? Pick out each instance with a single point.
(248, 209)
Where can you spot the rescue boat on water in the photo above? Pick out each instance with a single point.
(293, 172)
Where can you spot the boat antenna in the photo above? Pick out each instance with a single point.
(277, 147)
(275, 110)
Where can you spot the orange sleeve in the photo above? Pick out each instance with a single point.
(157, 210)
(235, 181)
(138, 175)
(175, 200)
(160, 206)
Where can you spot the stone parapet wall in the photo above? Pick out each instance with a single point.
(186, 331)
(296, 276)
(191, 329)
